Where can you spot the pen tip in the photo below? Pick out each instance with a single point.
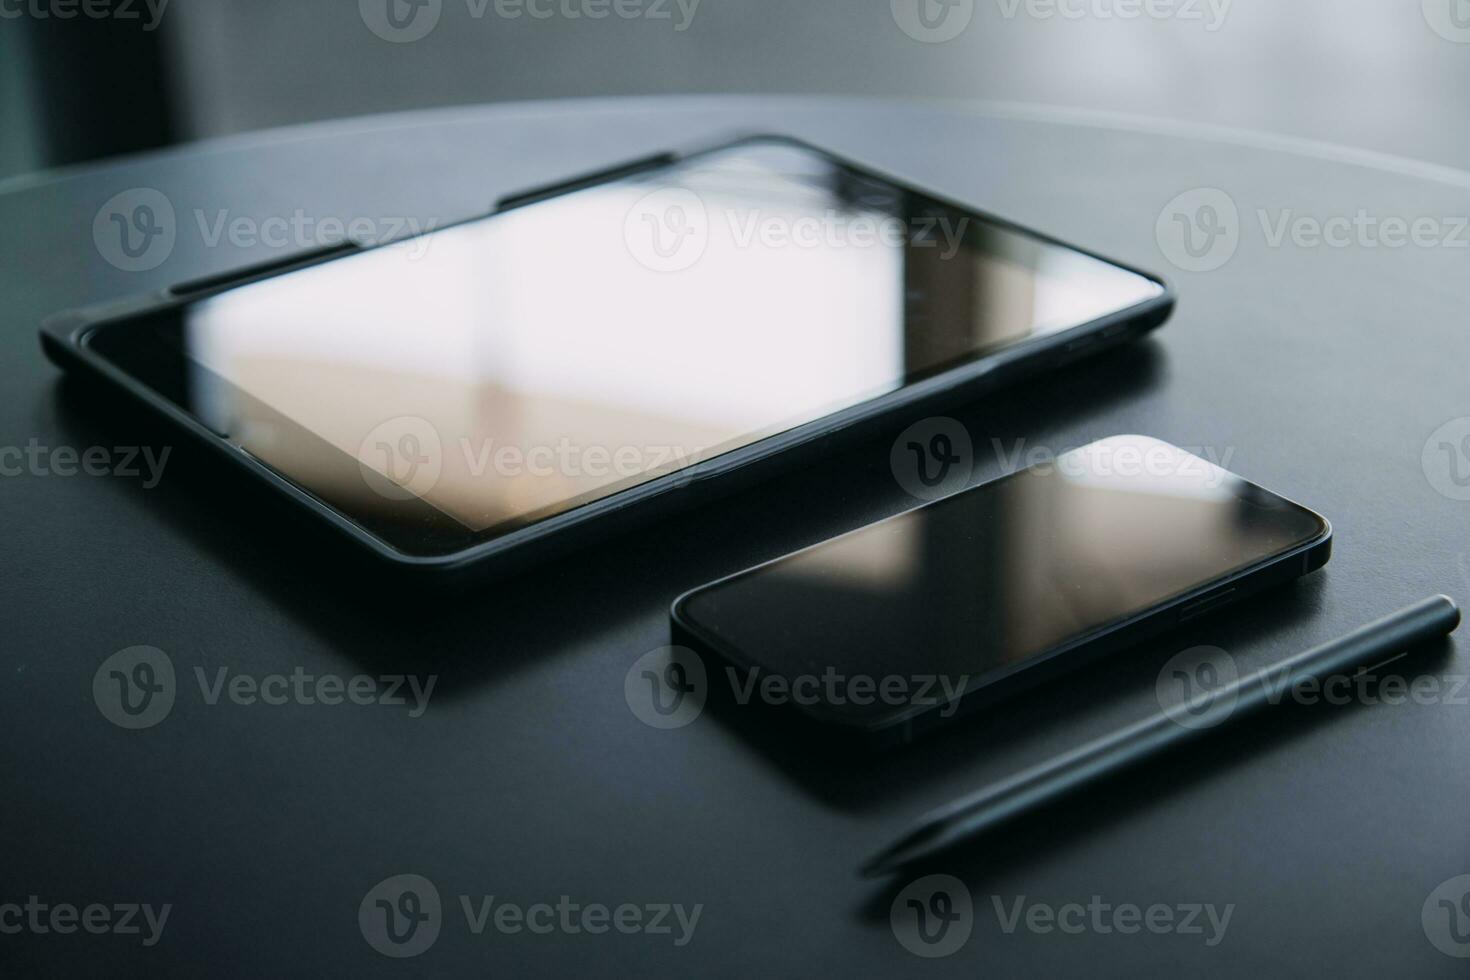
(912, 847)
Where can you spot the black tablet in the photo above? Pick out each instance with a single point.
(593, 353)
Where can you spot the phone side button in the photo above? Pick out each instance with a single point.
(1201, 606)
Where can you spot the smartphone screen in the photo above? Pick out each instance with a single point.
(983, 582)
(507, 369)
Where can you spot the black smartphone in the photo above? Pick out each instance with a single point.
(917, 619)
(596, 352)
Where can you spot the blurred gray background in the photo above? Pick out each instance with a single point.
(1387, 75)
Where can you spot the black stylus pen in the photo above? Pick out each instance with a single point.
(1129, 747)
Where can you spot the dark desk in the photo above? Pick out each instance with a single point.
(1323, 370)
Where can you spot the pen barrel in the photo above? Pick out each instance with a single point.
(1366, 646)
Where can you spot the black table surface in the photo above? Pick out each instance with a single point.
(1323, 370)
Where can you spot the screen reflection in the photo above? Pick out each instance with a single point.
(563, 350)
(993, 576)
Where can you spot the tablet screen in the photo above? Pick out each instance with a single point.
(509, 368)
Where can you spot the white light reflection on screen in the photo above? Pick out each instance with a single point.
(541, 326)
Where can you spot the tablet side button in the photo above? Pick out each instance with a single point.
(1203, 605)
